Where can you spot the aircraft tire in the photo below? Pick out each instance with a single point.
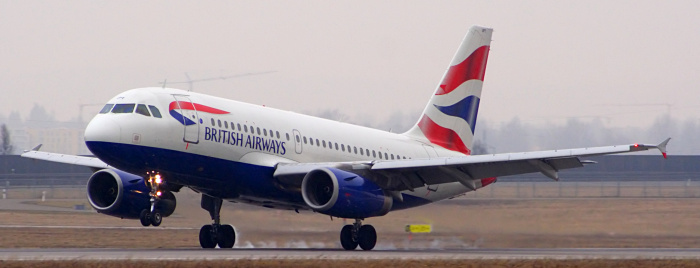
(205, 239)
(156, 218)
(227, 236)
(144, 217)
(346, 238)
(367, 237)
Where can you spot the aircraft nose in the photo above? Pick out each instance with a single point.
(102, 129)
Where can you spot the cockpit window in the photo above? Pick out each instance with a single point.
(141, 109)
(155, 111)
(107, 108)
(123, 108)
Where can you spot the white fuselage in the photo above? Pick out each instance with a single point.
(243, 133)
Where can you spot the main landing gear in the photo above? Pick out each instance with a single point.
(215, 234)
(356, 234)
(153, 216)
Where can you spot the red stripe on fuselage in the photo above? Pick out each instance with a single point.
(195, 106)
(444, 137)
(473, 67)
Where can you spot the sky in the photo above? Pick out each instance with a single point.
(623, 63)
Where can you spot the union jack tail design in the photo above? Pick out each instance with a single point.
(450, 117)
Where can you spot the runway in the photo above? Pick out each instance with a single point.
(332, 254)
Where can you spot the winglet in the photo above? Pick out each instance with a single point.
(36, 148)
(662, 147)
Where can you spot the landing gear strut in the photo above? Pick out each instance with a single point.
(153, 216)
(356, 234)
(211, 235)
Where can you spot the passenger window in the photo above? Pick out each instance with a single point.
(126, 108)
(239, 127)
(318, 143)
(141, 109)
(367, 151)
(258, 131)
(392, 156)
(324, 144)
(245, 127)
(265, 132)
(225, 124)
(213, 124)
(311, 141)
(297, 137)
(219, 123)
(386, 156)
(362, 152)
(107, 108)
(304, 139)
(336, 146)
(287, 134)
(278, 134)
(342, 146)
(354, 149)
(155, 111)
(374, 154)
(380, 155)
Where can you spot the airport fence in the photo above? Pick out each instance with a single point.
(600, 189)
(64, 188)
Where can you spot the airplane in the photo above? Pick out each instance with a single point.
(151, 142)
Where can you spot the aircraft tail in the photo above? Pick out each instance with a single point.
(450, 117)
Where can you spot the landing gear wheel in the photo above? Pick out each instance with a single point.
(205, 238)
(156, 218)
(367, 237)
(346, 239)
(144, 217)
(226, 237)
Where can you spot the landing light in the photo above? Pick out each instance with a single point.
(159, 193)
(158, 179)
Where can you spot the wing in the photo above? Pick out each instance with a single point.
(87, 161)
(413, 173)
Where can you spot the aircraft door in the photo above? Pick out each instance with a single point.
(189, 118)
(297, 141)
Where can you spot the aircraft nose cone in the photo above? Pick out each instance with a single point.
(102, 129)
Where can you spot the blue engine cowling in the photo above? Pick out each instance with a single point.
(344, 194)
(117, 193)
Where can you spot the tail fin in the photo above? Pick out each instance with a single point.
(450, 117)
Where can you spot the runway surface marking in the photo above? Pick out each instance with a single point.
(264, 254)
(97, 227)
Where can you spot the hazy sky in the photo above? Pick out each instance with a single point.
(625, 62)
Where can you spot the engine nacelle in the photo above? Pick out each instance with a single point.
(344, 194)
(124, 195)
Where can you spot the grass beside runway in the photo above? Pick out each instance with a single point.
(594, 263)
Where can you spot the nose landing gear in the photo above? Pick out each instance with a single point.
(153, 216)
(356, 234)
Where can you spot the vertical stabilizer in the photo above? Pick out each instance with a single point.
(450, 117)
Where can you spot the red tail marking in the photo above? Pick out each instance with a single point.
(444, 137)
(473, 67)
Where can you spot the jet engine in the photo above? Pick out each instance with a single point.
(344, 194)
(124, 195)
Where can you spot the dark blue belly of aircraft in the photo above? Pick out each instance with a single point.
(214, 176)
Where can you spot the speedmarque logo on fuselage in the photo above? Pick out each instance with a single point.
(224, 136)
